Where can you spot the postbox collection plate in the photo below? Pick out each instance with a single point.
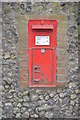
(42, 53)
(42, 40)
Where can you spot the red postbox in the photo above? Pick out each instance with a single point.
(42, 41)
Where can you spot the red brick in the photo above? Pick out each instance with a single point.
(23, 77)
(61, 58)
(23, 57)
(23, 71)
(22, 37)
(60, 38)
(61, 51)
(23, 64)
(63, 17)
(62, 25)
(22, 51)
(60, 84)
(56, 16)
(23, 83)
(61, 44)
(23, 45)
(61, 71)
(61, 33)
(61, 64)
(61, 77)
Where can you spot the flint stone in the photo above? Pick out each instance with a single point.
(18, 115)
(9, 81)
(20, 100)
(6, 86)
(47, 97)
(41, 97)
(32, 105)
(13, 56)
(55, 98)
(25, 92)
(26, 104)
(68, 113)
(31, 111)
(72, 102)
(0, 113)
(8, 95)
(17, 90)
(19, 105)
(50, 102)
(34, 116)
(26, 98)
(49, 114)
(23, 109)
(42, 113)
(36, 110)
(56, 108)
(65, 100)
(11, 90)
(70, 91)
(72, 84)
(16, 110)
(52, 94)
(59, 90)
(8, 104)
(34, 97)
(19, 94)
(46, 107)
(62, 95)
(26, 115)
(72, 29)
(77, 91)
(73, 96)
(7, 55)
(41, 102)
(77, 100)
(15, 104)
(8, 110)
(40, 92)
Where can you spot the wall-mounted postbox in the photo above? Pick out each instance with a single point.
(42, 52)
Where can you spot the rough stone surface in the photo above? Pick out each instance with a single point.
(34, 97)
(73, 96)
(7, 55)
(26, 115)
(26, 98)
(49, 114)
(72, 84)
(34, 103)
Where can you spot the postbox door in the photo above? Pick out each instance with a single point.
(42, 67)
(42, 52)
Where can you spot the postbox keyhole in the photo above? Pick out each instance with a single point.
(37, 68)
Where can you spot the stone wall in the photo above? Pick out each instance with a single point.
(22, 102)
(0, 60)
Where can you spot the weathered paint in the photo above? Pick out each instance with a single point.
(42, 65)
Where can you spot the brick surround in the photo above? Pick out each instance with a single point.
(23, 47)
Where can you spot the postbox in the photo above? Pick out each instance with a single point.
(42, 41)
